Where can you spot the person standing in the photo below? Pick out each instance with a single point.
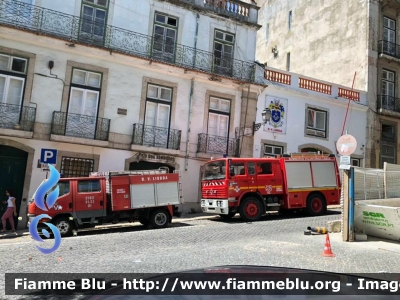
(10, 212)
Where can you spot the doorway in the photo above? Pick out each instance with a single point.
(12, 176)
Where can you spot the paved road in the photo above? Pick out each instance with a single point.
(274, 241)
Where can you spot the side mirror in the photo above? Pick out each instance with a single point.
(229, 168)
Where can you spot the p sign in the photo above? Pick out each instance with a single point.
(48, 156)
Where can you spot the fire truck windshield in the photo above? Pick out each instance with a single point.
(215, 170)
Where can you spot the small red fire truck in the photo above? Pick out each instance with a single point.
(148, 196)
(253, 186)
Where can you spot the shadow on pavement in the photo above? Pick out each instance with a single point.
(276, 216)
(127, 228)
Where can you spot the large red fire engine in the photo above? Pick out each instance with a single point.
(148, 196)
(253, 186)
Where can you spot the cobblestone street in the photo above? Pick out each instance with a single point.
(274, 241)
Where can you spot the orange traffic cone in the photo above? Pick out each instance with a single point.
(328, 250)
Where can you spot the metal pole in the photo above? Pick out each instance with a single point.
(351, 205)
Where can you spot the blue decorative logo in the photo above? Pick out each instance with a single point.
(40, 203)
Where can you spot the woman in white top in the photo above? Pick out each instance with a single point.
(10, 212)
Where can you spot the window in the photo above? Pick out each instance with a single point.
(290, 20)
(89, 186)
(251, 168)
(223, 51)
(12, 85)
(94, 16)
(356, 162)
(83, 103)
(316, 122)
(388, 133)
(218, 117)
(165, 35)
(288, 62)
(63, 187)
(264, 168)
(267, 32)
(388, 144)
(237, 169)
(388, 90)
(76, 167)
(389, 36)
(270, 150)
(157, 116)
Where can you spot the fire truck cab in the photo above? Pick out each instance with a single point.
(253, 186)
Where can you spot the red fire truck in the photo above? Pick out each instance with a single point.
(149, 197)
(253, 186)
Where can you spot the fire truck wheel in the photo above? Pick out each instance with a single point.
(64, 226)
(159, 218)
(316, 205)
(250, 209)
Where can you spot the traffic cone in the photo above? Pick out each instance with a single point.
(328, 250)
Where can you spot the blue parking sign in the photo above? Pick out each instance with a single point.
(48, 156)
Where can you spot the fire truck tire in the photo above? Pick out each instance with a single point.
(64, 226)
(316, 205)
(251, 209)
(160, 218)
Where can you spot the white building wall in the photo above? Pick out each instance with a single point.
(295, 137)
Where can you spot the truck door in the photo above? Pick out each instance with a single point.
(269, 178)
(251, 170)
(239, 178)
(89, 199)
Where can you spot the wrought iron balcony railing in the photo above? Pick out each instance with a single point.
(389, 48)
(17, 117)
(389, 103)
(80, 126)
(159, 137)
(217, 145)
(80, 30)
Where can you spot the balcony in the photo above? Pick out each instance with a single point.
(16, 120)
(74, 29)
(159, 137)
(80, 126)
(388, 48)
(389, 103)
(235, 9)
(217, 145)
(17, 117)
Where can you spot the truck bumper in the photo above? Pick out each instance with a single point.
(215, 206)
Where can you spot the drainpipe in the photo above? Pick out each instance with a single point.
(195, 39)
(189, 122)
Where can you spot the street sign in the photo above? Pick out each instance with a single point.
(48, 156)
(346, 145)
(345, 160)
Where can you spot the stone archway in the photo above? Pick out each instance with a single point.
(137, 162)
(28, 157)
(314, 148)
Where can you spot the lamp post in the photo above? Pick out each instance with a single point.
(266, 116)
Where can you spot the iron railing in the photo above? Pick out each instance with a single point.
(217, 145)
(389, 48)
(159, 137)
(83, 31)
(389, 103)
(80, 126)
(17, 117)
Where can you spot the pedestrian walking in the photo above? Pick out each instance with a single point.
(10, 212)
